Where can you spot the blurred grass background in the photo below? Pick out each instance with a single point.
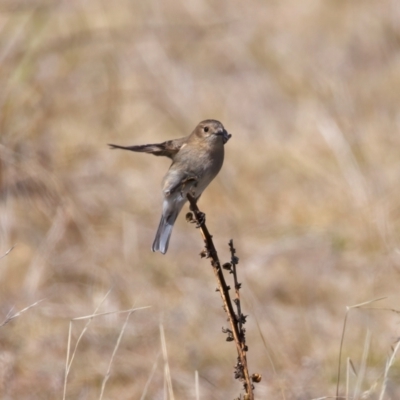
(309, 192)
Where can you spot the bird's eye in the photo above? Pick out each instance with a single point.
(206, 129)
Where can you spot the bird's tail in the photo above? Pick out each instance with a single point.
(164, 231)
(163, 234)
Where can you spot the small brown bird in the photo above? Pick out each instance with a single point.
(196, 160)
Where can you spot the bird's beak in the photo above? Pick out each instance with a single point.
(225, 135)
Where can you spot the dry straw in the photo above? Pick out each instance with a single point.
(237, 319)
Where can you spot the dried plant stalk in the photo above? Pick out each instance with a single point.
(236, 332)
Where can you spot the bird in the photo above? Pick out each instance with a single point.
(196, 161)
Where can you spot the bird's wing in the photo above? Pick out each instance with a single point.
(167, 149)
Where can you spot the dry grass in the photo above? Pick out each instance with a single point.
(309, 192)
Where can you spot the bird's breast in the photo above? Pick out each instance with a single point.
(199, 163)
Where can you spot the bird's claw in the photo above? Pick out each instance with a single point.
(201, 219)
(189, 218)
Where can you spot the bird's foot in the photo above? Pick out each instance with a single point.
(189, 218)
(201, 219)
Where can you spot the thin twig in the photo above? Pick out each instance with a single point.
(196, 384)
(17, 314)
(347, 377)
(363, 366)
(234, 262)
(167, 372)
(236, 332)
(7, 252)
(349, 308)
(68, 361)
(108, 313)
(153, 370)
(389, 363)
(108, 373)
(89, 319)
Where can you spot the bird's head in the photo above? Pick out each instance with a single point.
(212, 130)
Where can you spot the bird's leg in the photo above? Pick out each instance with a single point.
(180, 186)
(192, 180)
(200, 216)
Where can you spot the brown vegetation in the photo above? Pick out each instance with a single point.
(309, 192)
